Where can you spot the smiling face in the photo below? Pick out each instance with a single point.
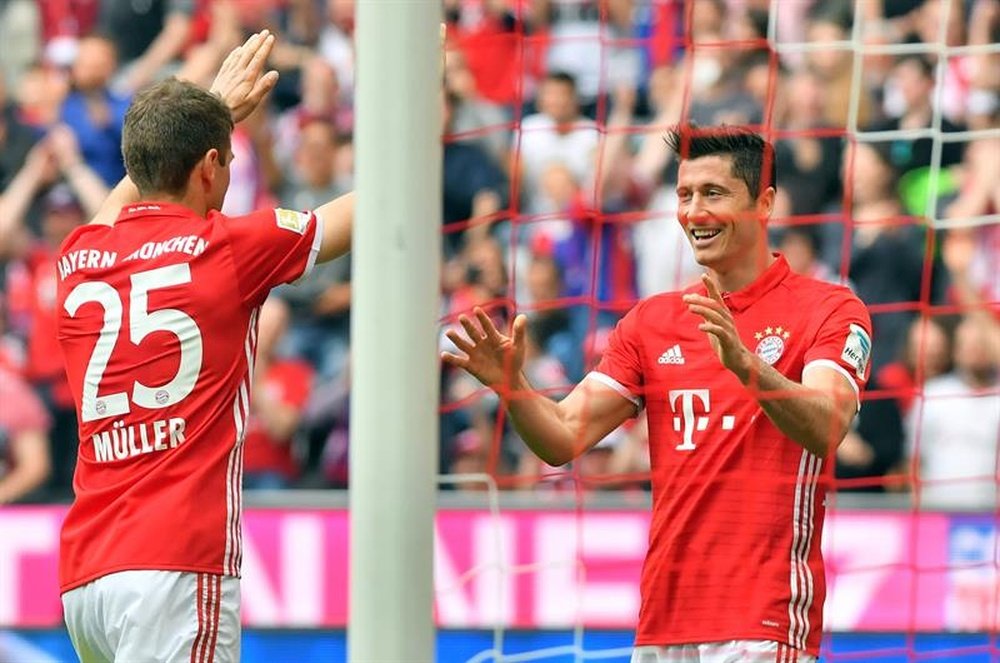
(723, 221)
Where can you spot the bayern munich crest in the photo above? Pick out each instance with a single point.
(771, 344)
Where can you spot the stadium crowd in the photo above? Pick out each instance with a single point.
(557, 201)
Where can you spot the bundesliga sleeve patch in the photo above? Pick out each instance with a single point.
(857, 349)
(292, 220)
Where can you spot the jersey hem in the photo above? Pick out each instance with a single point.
(767, 637)
(214, 570)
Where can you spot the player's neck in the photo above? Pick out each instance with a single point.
(192, 201)
(741, 275)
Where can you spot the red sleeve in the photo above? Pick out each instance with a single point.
(271, 247)
(621, 366)
(843, 341)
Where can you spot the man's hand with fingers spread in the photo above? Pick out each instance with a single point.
(491, 357)
(720, 327)
(241, 82)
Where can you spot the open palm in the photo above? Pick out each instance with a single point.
(491, 357)
(241, 82)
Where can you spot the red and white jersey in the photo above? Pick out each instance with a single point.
(738, 507)
(158, 325)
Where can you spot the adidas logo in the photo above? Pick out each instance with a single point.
(672, 356)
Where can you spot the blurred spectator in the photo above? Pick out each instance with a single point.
(875, 444)
(664, 260)
(63, 24)
(280, 394)
(952, 433)
(93, 112)
(19, 32)
(336, 45)
(972, 253)
(887, 250)
(549, 320)
(40, 95)
(475, 118)
(831, 22)
(718, 93)
(926, 355)
(910, 94)
(808, 163)
(571, 28)
(31, 282)
(801, 246)
(16, 138)
(149, 36)
(475, 188)
(487, 37)
(24, 444)
(558, 133)
(320, 100)
(320, 303)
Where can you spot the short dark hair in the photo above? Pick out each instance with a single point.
(752, 156)
(168, 128)
(923, 63)
(562, 77)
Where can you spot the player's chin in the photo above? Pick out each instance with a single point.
(707, 256)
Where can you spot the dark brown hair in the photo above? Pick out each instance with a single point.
(168, 128)
(752, 156)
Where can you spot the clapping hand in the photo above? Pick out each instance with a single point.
(491, 357)
(720, 327)
(241, 82)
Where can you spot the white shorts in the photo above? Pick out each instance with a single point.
(155, 617)
(731, 651)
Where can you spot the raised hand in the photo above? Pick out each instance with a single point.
(720, 327)
(491, 357)
(64, 146)
(241, 83)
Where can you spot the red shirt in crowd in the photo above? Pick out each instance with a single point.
(286, 382)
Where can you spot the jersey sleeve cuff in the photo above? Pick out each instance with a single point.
(609, 381)
(317, 243)
(829, 363)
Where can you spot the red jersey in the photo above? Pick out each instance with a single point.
(738, 507)
(287, 382)
(157, 322)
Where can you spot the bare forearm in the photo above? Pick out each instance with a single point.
(89, 188)
(811, 418)
(16, 199)
(31, 467)
(338, 217)
(540, 423)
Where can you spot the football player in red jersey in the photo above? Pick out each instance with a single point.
(749, 380)
(158, 302)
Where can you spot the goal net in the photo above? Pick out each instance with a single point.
(560, 204)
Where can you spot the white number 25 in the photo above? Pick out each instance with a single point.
(143, 322)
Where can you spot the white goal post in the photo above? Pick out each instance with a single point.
(394, 318)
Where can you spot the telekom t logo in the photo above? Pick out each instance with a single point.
(687, 415)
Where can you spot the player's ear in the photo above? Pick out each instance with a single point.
(765, 203)
(209, 165)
